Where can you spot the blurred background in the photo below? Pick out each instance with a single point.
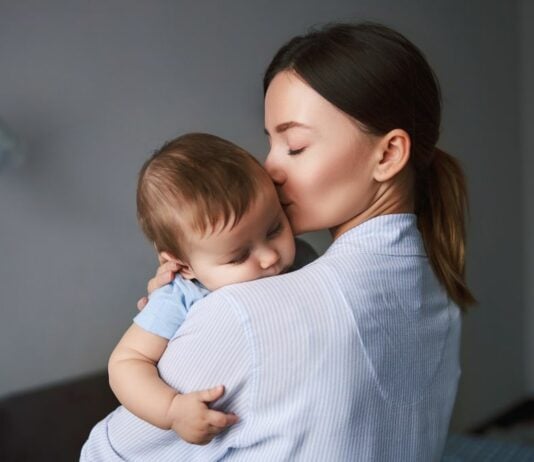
(88, 90)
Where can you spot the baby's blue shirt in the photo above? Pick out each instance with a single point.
(168, 306)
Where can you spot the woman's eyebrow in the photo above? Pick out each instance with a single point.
(281, 128)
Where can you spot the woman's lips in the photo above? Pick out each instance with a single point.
(285, 202)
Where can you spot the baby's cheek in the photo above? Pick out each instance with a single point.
(234, 274)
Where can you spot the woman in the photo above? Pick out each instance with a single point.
(355, 356)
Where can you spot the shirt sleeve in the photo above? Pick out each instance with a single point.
(168, 306)
(211, 348)
(208, 349)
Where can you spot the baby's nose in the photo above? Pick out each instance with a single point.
(269, 257)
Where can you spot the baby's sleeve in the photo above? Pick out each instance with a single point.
(168, 306)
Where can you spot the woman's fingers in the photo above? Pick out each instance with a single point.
(141, 303)
(159, 281)
(164, 275)
(166, 266)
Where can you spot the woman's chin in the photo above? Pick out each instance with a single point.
(301, 228)
(299, 224)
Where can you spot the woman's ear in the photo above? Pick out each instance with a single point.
(184, 268)
(394, 154)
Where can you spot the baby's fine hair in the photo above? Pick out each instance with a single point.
(195, 183)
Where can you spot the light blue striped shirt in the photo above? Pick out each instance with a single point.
(354, 357)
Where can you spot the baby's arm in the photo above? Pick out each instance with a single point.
(134, 378)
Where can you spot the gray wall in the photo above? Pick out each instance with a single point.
(94, 87)
(527, 140)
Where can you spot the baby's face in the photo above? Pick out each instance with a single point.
(260, 245)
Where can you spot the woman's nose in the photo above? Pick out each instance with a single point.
(268, 257)
(274, 169)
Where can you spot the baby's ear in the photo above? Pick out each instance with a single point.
(165, 257)
(184, 268)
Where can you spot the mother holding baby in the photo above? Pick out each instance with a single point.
(354, 357)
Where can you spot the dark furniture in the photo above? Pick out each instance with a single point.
(52, 423)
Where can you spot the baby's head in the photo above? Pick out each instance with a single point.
(210, 206)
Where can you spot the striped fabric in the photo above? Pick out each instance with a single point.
(354, 357)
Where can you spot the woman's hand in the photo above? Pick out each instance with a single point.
(194, 421)
(164, 275)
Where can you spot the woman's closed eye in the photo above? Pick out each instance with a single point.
(294, 152)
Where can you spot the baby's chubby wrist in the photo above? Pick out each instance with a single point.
(172, 409)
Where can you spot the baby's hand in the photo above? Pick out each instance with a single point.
(194, 421)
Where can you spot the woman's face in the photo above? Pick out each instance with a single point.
(320, 160)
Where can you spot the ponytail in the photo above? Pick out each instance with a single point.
(441, 205)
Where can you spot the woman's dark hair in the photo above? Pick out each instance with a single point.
(377, 76)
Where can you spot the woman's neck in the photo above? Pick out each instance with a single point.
(394, 196)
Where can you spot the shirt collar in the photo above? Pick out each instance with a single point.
(395, 234)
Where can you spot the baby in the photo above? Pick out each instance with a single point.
(209, 207)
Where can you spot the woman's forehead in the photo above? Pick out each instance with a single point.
(290, 101)
(287, 96)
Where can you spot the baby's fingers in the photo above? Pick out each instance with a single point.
(219, 420)
(205, 437)
(210, 394)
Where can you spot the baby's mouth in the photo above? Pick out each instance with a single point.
(274, 273)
